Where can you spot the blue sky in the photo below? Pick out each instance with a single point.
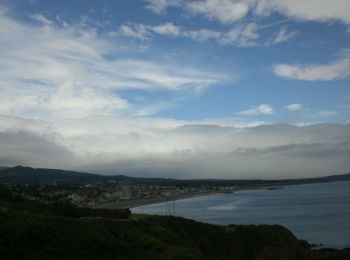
(170, 63)
(245, 67)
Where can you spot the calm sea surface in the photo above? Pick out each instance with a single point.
(319, 213)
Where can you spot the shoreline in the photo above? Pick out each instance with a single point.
(129, 204)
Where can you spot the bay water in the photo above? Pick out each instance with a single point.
(318, 213)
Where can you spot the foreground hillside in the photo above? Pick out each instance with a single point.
(33, 230)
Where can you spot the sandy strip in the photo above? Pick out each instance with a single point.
(128, 204)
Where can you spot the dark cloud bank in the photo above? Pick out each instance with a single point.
(184, 151)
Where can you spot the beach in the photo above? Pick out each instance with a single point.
(128, 204)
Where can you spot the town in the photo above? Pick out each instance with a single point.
(120, 191)
(90, 195)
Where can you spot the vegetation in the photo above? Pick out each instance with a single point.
(36, 230)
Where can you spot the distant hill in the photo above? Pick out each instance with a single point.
(27, 175)
(340, 177)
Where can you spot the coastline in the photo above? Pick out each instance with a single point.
(129, 204)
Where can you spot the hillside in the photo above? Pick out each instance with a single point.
(34, 230)
(27, 175)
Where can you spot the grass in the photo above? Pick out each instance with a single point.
(34, 230)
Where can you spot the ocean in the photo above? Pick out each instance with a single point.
(318, 213)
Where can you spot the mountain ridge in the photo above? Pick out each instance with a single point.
(29, 175)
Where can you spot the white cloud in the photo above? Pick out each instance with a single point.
(50, 69)
(317, 10)
(69, 100)
(221, 10)
(41, 19)
(237, 11)
(224, 11)
(139, 31)
(144, 31)
(159, 6)
(167, 29)
(338, 69)
(294, 107)
(167, 147)
(328, 113)
(202, 35)
(283, 35)
(264, 109)
(229, 11)
(241, 35)
(153, 109)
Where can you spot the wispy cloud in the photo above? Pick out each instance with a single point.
(283, 35)
(242, 35)
(55, 68)
(294, 107)
(138, 31)
(220, 10)
(239, 35)
(167, 29)
(263, 109)
(146, 31)
(326, 113)
(224, 11)
(316, 10)
(229, 11)
(202, 35)
(338, 69)
(160, 6)
(41, 19)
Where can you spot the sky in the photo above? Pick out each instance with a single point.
(173, 88)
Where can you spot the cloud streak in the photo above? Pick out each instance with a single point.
(240, 35)
(263, 109)
(338, 69)
(243, 35)
(283, 35)
(52, 68)
(294, 107)
(230, 11)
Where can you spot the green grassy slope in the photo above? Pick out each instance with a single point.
(32, 230)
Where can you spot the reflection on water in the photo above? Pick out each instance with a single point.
(319, 213)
